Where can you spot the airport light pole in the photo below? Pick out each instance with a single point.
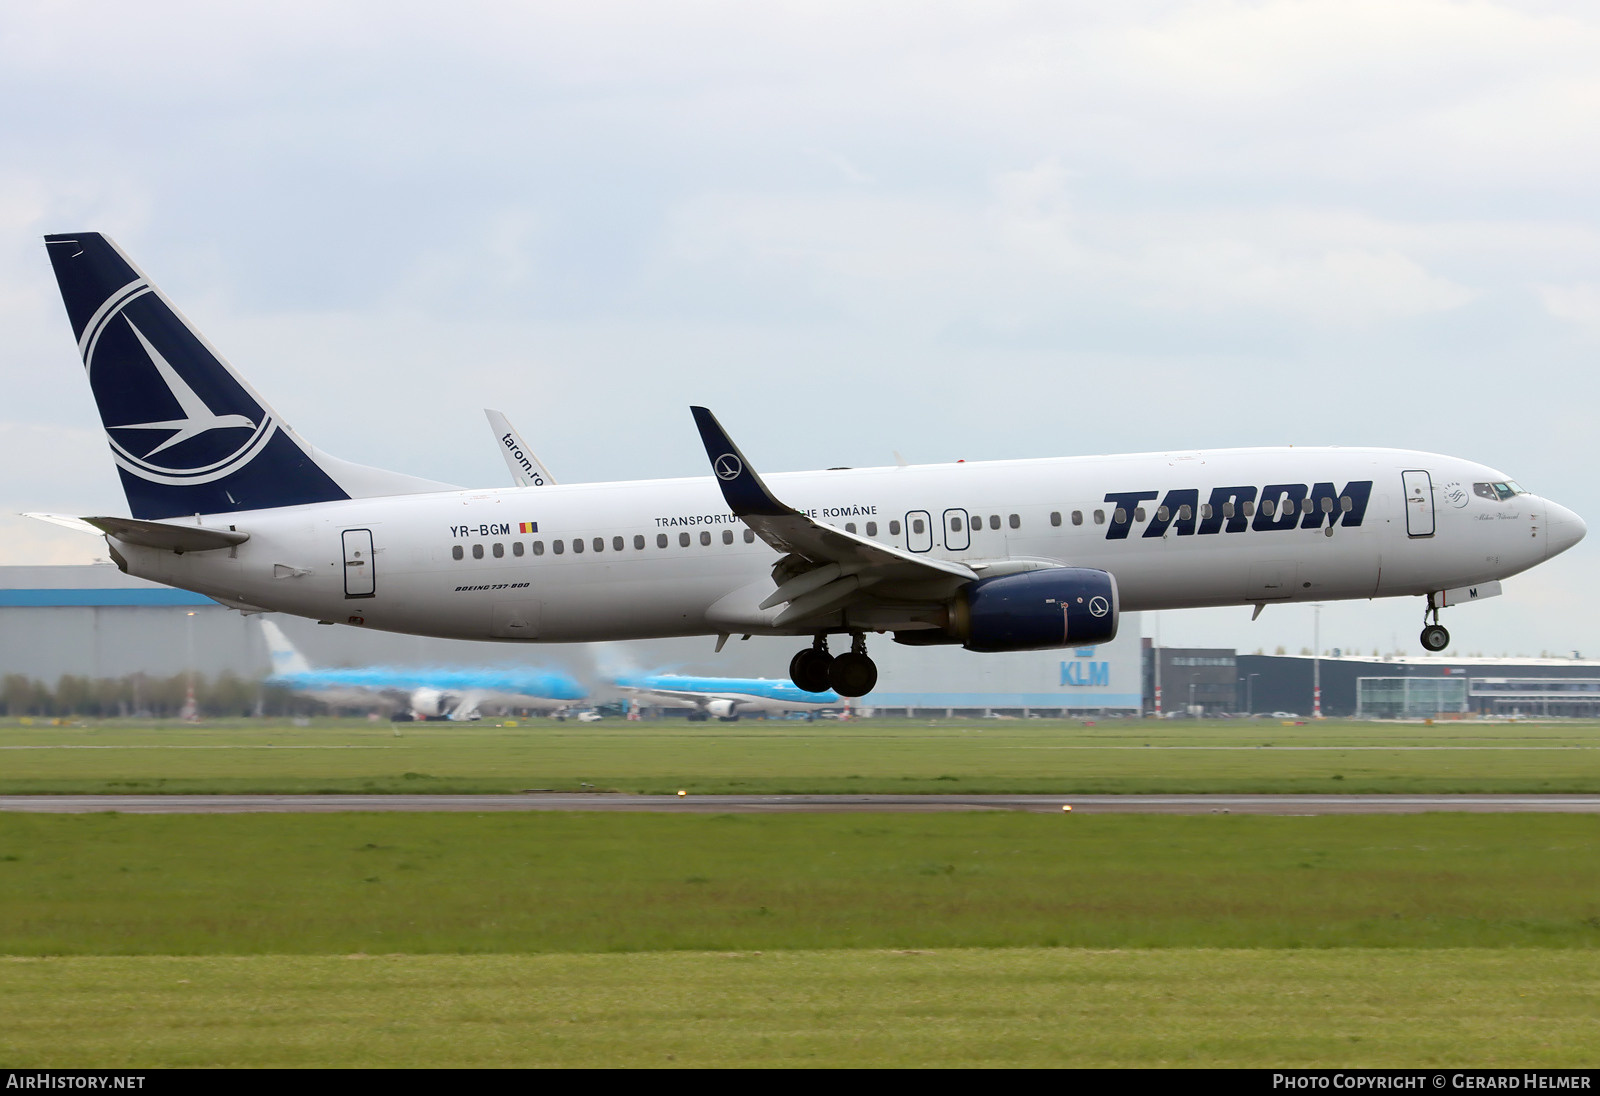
(191, 711)
(1316, 661)
(1155, 652)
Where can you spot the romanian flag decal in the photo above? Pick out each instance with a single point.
(528, 527)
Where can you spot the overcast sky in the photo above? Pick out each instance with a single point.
(953, 230)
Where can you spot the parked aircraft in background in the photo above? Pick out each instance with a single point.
(726, 698)
(421, 693)
(229, 501)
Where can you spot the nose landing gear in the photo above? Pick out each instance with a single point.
(852, 675)
(1435, 637)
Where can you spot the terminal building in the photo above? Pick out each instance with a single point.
(1218, 681)
(95, 622)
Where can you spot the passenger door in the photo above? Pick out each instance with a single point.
(1419, 503)
(359, 579)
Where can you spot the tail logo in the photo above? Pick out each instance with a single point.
(209, 437)
(728, 466)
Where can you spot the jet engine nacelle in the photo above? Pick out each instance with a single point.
(429, 703)
(722, 709)
(1036, 610)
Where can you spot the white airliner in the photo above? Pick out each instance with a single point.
(229, 501)
(455, 693)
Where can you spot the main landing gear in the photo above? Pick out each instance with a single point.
(850, 675)
(1435, 637)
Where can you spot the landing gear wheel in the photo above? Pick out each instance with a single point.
(808, 669)
(853, 675)
(1435, 637)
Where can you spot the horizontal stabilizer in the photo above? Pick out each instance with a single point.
(66, 521)
(166, 536)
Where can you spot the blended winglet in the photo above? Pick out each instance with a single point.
(742, 487)
(527, 470)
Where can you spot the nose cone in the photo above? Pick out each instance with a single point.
(1563, 529)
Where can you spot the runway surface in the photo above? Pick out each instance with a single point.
(780, 804)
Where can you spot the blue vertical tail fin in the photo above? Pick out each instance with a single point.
(188, 434)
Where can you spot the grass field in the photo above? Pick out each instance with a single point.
(881, 755)
(554, 882)
(933, 940)
(1022, 1007)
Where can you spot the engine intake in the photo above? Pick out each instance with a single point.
(1037, 610)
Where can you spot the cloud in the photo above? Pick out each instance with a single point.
(1576, 304)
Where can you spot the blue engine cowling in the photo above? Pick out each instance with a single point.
(1037, 610)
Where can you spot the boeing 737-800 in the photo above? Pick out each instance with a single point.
(229, 501)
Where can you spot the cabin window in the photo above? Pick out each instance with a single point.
(1250, 508)
(456, 552)
(477, 551)
(727, 536)
(955, 525)
(1055, 517)
(1077, 517)
(705, 538)
(849, 526)
(577, 545)
(638, 542)
(894, 528)
(599, 544)
(872, 528)
(1327, 505)
(516, 548)
(498, 550)
(1016, 522)
(917, 526)
(1345, 503)
(749, 536)
(538, 547)
(1205, 510)
(994, 521)
(1267, 507)
(558, 546)
(1184, 513)
(1163, 514)
(1120, 516)
(616, 544)
(1227, 509)
(1306, 506)
(661, 540)
(683, 540)
(1099, 517)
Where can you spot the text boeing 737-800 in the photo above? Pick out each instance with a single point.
(229, 501)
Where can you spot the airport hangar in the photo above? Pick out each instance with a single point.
(95, 622)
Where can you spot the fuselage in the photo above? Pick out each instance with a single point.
(723, 695)
(639, 559)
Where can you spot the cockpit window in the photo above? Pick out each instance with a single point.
(1497, 491)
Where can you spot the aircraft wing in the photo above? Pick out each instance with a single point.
(670, 697)
(826, 566)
